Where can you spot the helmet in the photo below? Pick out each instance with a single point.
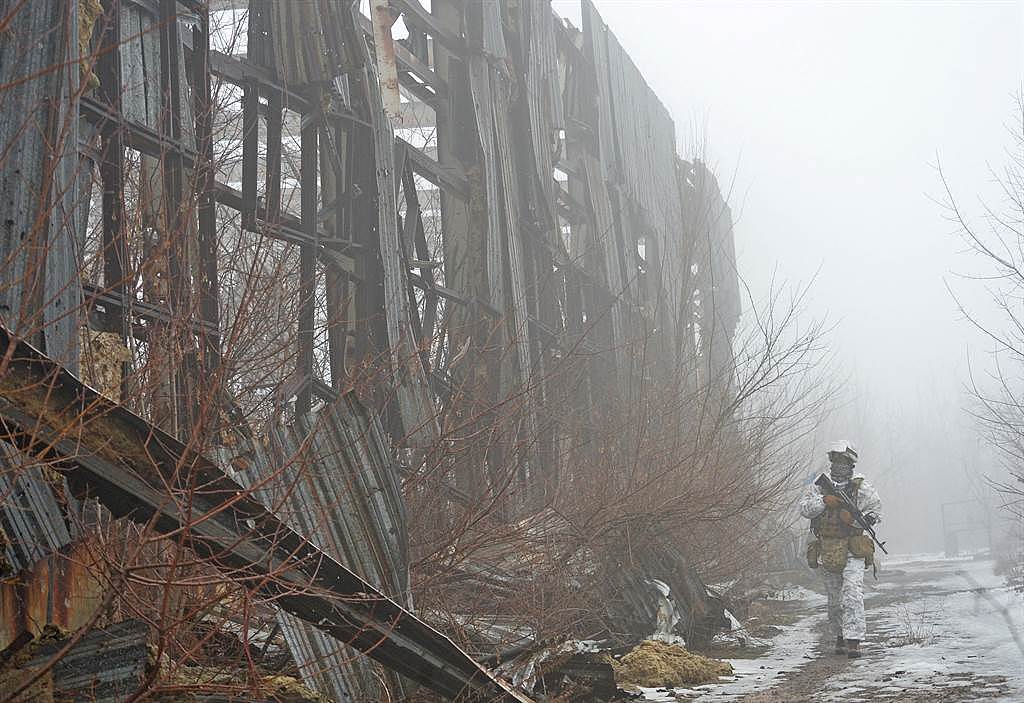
(843, 448)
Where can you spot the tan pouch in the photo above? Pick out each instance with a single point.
(833, 553)
(863, 547)
(814, 554)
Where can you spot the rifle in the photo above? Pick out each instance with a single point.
(828, 485)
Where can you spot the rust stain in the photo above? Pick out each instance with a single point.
(63, 589)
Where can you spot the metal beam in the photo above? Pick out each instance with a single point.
(447, 177)
(239, 71)
(416, 14)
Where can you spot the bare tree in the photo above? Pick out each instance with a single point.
(996, 237)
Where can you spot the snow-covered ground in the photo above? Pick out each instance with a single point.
(966, 628)
(942, 630)
(898, 560)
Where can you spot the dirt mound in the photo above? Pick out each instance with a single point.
(656, 664)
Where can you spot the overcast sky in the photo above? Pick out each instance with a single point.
(832, 117)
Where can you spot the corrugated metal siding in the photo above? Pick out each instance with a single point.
(39, 132)
(637, 148)
(333, 480)
(543, 98)
(29, 512)
(105, 666)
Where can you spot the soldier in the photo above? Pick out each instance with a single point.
(841, 548)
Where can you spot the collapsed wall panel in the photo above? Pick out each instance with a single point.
(332, 479)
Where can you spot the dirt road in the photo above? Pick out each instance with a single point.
(938, 631)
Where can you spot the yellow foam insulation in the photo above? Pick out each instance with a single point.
(103, 353)
(657, 664)
(88, 12)
(286, 688)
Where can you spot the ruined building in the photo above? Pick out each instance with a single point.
(316, 316)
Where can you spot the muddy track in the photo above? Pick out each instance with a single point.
(958, 676)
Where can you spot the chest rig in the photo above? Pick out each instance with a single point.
(829, 525)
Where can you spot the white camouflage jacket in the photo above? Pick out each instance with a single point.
(812, 504)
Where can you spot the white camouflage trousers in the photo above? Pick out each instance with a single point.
(846, 600)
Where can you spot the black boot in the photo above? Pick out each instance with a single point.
(840, 645)
(853, 648)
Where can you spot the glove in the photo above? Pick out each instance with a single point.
(832, 501)
(846, 516)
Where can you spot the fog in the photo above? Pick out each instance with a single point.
(831, 120)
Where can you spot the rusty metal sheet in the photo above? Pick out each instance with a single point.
(64, 588)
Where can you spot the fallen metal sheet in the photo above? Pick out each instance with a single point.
(570, 671)
(30, 517)
(139, 471)
(332, 479)
(104, 666)
(701, 613)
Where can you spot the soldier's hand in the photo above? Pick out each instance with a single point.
(832, 501)
(846, 516)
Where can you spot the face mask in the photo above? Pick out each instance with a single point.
(841, 472)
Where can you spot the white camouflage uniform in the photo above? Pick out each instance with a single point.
(845, 590)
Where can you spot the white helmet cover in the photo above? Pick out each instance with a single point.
(842, 446)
